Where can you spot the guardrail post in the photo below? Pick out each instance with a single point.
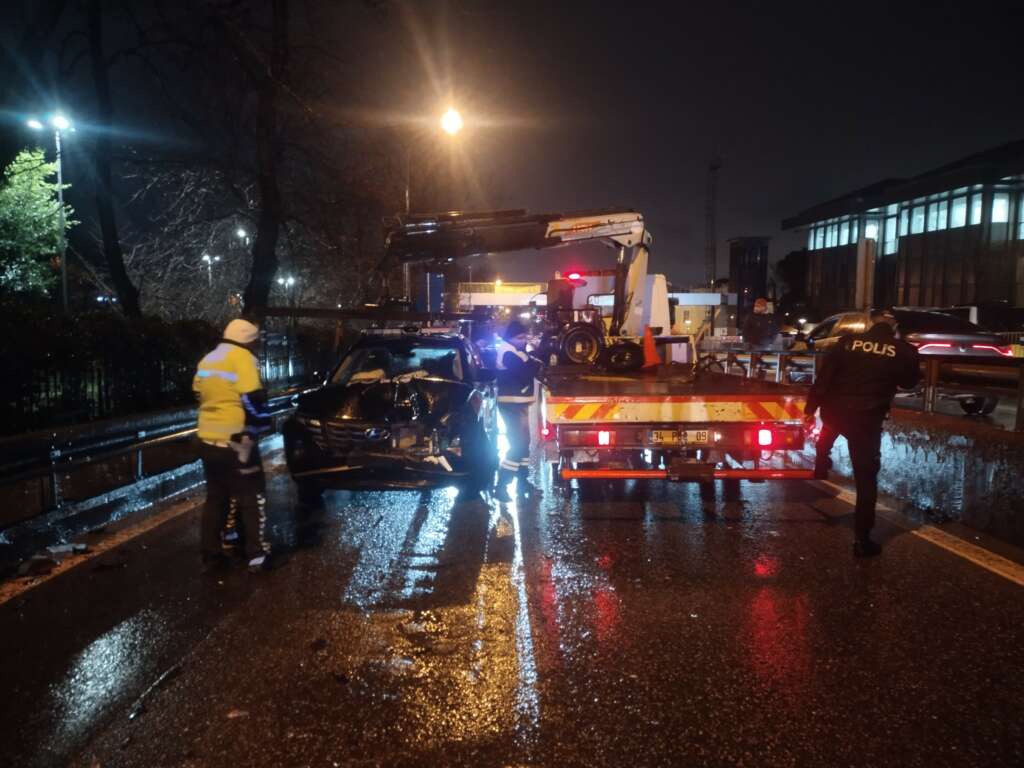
(55, 495)
(931, 384)
(1019, 422)
(139, 471)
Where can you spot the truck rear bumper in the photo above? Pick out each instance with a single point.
(689, 472)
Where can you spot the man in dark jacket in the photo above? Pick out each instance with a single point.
(854, 388)
(516, 374)
(759, 329)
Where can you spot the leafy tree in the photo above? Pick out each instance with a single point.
(30, 231)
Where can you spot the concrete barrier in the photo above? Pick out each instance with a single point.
(952, 468)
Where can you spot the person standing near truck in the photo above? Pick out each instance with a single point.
(517, 371)
(232, 414)
(854, 388)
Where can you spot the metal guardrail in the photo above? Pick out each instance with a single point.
(781, 364)
(42, 456)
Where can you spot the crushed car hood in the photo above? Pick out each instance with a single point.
(388, 401)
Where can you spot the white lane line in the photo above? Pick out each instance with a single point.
(175, 507)
(980, 556)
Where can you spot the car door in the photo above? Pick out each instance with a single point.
(821, 336)
(484, 386)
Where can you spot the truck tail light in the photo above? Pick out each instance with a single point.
(547, 431)
(1004, 351)
(604, 437)
(765, 438)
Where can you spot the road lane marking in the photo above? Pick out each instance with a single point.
(980, 556)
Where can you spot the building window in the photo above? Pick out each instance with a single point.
(943, 207)
(819, 238)
(959, 212)
(854, 227)
(844, 233)
(917, 220)
(832, 238)
(937, 213)
(1000, 208)
(871, 229)
(904, 221)
(975, 209)
(810, 239)
(1020, 217)
(891, 209)
(889, 244)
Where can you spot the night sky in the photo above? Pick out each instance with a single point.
(573, 105)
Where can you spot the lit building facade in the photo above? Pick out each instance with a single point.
(951, 236)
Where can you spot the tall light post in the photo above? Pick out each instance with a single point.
(287, 282)
(59, 123)
(452, 124)
(209, 261)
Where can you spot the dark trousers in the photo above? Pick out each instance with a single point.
(863, 433)
(823, 447)
(232, 486)
(517, 429)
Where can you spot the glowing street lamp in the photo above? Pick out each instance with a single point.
(59, 123)
(209, 261)
(451, 121)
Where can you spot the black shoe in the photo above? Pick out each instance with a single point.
(866, 548)
(525, 488)
(268, 562)
(501, 494)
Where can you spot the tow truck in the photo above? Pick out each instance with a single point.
(671, 421)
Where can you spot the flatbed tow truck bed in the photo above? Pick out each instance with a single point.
(670, 423)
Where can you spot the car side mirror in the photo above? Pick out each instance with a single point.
(486, 376)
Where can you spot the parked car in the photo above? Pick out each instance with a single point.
(933, 333)
(401, 410)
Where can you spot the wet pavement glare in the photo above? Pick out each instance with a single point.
(634, 622)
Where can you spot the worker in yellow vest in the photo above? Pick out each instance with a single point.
(232, 414)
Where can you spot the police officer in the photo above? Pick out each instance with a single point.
(232, 413)
(516, 373)
(854, 389)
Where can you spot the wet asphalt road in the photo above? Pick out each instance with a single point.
(638, 623)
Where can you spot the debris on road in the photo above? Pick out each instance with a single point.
(235, 714)
(37, 565)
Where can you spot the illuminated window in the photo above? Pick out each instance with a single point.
(871, 229)
(1000, 208)
(943, 207)
(960, 191)
(854, 228)
(844, 233)
(917, 220)
(904, 221)
(892, 209)
(819, 238)
(889, 244)
(959, 212)
(937, 213)
(831, 236)
(975, 209)
(810, 239)
(1020, 217)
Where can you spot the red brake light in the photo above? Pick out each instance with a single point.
(1004, 351)
(547, 431)
(765, 438)
(604, 437)
(575, 276)
(933, 345)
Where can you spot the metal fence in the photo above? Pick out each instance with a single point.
(74, 391)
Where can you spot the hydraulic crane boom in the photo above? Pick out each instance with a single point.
(442, 238)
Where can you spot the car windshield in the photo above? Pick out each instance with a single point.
(374, 363)
(933, 322)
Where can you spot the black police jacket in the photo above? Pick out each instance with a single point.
(516, 372)
(759, 331)
(862, 371)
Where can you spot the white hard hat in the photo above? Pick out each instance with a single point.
(241, 332)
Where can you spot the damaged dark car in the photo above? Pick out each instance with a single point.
(401, 410)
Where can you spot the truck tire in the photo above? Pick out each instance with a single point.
(580, 344)
(972, 406)
(623, 356)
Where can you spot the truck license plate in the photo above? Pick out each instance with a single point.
(679, 437)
